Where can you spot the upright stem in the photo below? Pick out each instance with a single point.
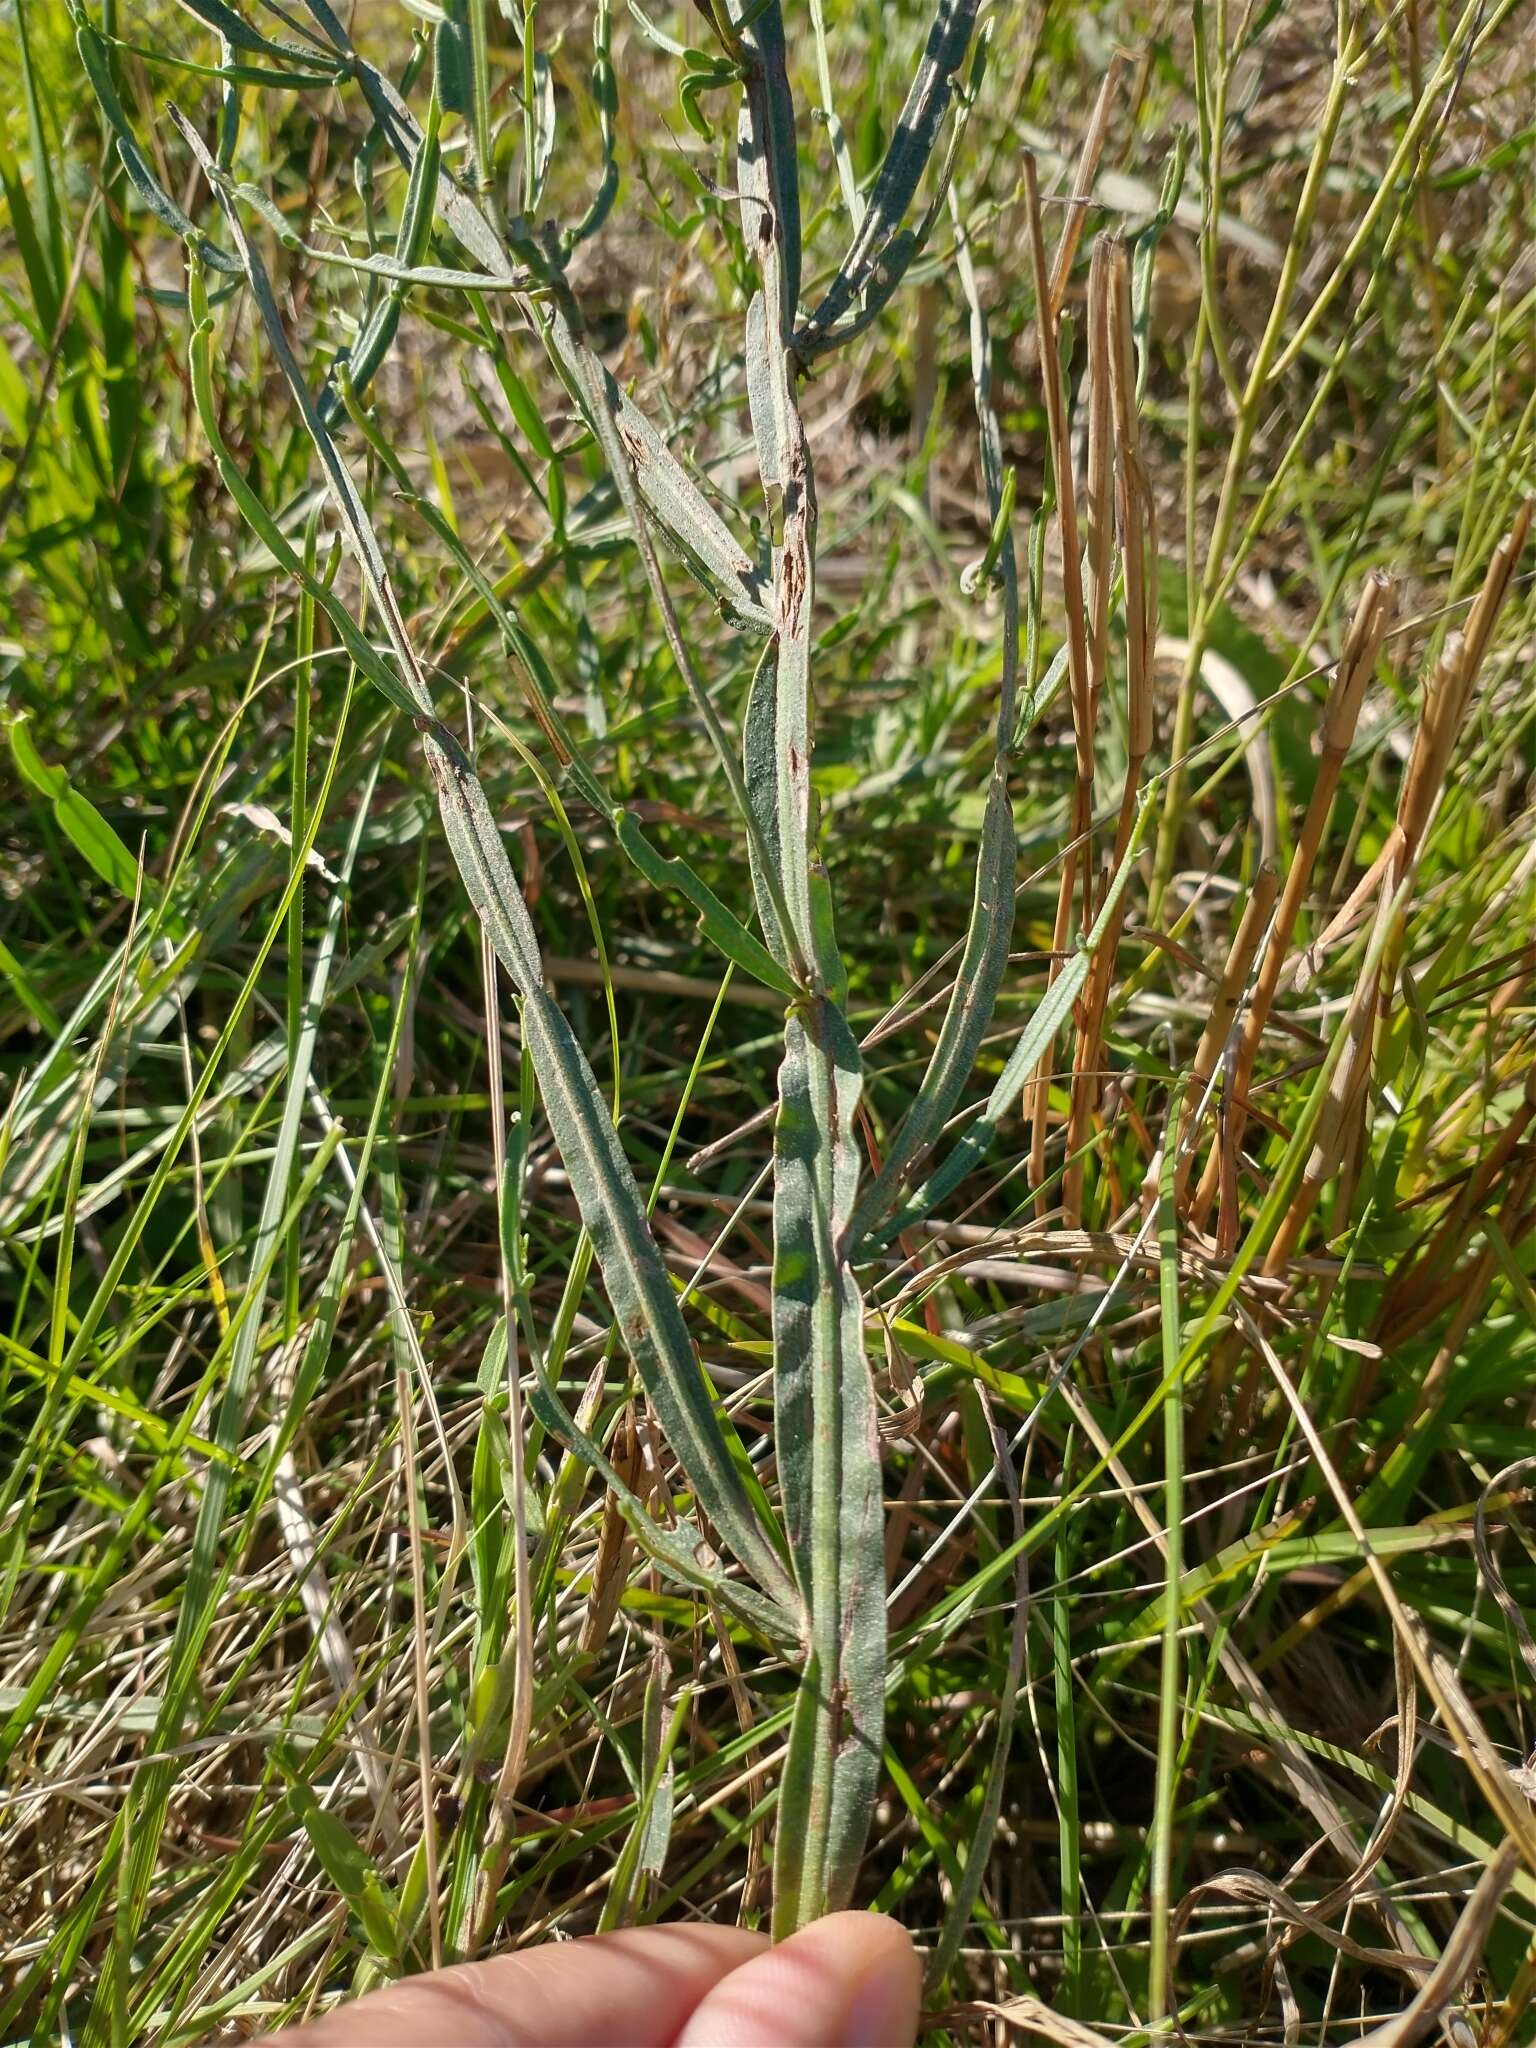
(1244, 428)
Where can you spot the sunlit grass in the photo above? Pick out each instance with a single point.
(440, 723)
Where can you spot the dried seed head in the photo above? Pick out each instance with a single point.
(1234, 975)
(1082, 187)
(1501, 568)
(1357, 662)
(1434, 742)
(1098, 516)
(1137, 516)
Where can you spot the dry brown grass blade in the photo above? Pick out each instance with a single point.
(1138, 553)
(1082, 187)
(1447, 699)
(1251, 1887)
(1341, 711)
(1458, 1960)
(1467, 1287)
(1098, 480)
(1030, 2016)
(1420, 1291)
(1073, 1248)
(1224, 1008)
(1490, 599)
(1345, 1092)
(1457, 675)
(1059, 437)
(1138, 538)
(1405, 1723)
(615, 1544)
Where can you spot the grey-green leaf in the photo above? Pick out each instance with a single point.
(719, 925)
(94, 60)
(829, 1469)
(650, 1320)
(877, 255)
(235, 29)
(674, 500)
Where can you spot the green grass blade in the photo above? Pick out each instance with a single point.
(1169, 1731)
(281, 1197)
(1047, 1020)
(966, 1890)
(880, 253)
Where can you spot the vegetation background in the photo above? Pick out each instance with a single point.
(1204, 1395)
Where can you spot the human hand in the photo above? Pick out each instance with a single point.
(850, 1981)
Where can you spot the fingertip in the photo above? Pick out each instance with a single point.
(888, 1988)
(852, 1980)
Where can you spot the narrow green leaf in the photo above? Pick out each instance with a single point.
(93, 57)
(29, 247)
(829, 1470)
(989, 934)
(973, 999)
(605, 98)
(46, 211)
(880, 252)
(351, 1869)
(719, 925)
(524, 408)
(645, 1846)
(31, 997)
(452, 56)
(1032, 1041)
(77, 818)
(235, 29)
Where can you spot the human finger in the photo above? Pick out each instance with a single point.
(632, 1989)
(852, 1980)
